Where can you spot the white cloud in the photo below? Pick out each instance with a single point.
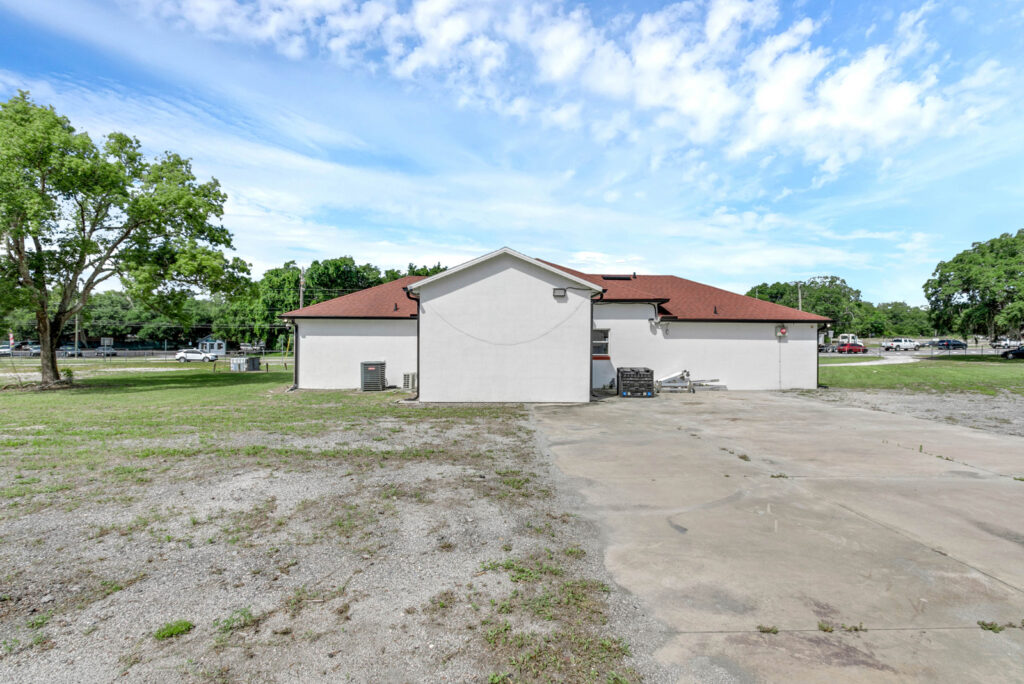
(567, 116)
(609, 129)
(724, 16)
(561, 47)
(717, 71)
(609, 71)
(647, 102)
(601, 262)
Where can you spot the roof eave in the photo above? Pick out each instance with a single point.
(623, 300)
(414, 288)
(393, 318)
(723, 319)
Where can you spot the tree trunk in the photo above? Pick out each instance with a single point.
(48, 343)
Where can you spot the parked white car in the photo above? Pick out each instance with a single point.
(901, 344)
(186, 355)
(1004, 343)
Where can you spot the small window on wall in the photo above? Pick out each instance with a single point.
(599, 342)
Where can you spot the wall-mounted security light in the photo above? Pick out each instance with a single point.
(559, 292)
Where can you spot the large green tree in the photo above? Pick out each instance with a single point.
(277, 292)
(980, 290)
(75, 214)
(904, 319)
(829, 296)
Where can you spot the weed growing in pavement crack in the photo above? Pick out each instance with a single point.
(531, 570)
(173, 629)
(39, 621)
(238, 619)
(768, 629)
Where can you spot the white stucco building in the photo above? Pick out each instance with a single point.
(506, 327)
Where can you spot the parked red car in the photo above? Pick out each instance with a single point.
(852, 348)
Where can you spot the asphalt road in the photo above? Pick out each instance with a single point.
(910, 528)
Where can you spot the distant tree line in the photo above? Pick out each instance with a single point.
(249, 314)
(979, 292)
(254, 314)
(831, 296)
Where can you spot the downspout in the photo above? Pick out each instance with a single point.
(295, 365)
(419, 375)
(600, 296)
(817, 360)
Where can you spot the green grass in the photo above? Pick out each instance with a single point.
(238, 619)
(116, 431)
(985, 375)
(173, 629)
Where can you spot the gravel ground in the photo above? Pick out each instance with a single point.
(440, 568)
(1002, 413)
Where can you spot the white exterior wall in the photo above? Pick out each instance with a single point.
(742, 356)
(495, 332)
(331, 349)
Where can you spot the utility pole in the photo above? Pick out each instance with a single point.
(799, 296)
(302, 286)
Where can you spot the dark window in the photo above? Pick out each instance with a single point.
(598, 341)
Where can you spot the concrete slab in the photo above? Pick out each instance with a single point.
(913, 529)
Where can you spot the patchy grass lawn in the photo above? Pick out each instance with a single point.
(209, 526)
(985, 375)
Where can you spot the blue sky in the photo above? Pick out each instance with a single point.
(726, 141)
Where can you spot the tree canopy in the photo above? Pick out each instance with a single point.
(250, 313)
(833, 297)
(75, 214)
(981, 289)
(278, 292)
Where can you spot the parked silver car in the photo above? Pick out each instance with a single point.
(187, 355)
(69, 350)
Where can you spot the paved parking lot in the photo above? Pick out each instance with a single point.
(911, 529)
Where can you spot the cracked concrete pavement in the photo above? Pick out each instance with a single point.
(725, 511)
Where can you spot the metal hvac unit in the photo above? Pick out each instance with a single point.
(373, 378)
(244, 364)
(408, 381)
(635, 382)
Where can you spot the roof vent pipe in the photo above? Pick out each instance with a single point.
(716, 309)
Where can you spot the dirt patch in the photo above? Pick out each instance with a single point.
(381, 549)
(1002, 413)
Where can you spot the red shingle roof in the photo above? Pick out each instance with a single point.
(686, 300)
(383, 301)
(617, 289)
(677, 299)
(690, 301)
